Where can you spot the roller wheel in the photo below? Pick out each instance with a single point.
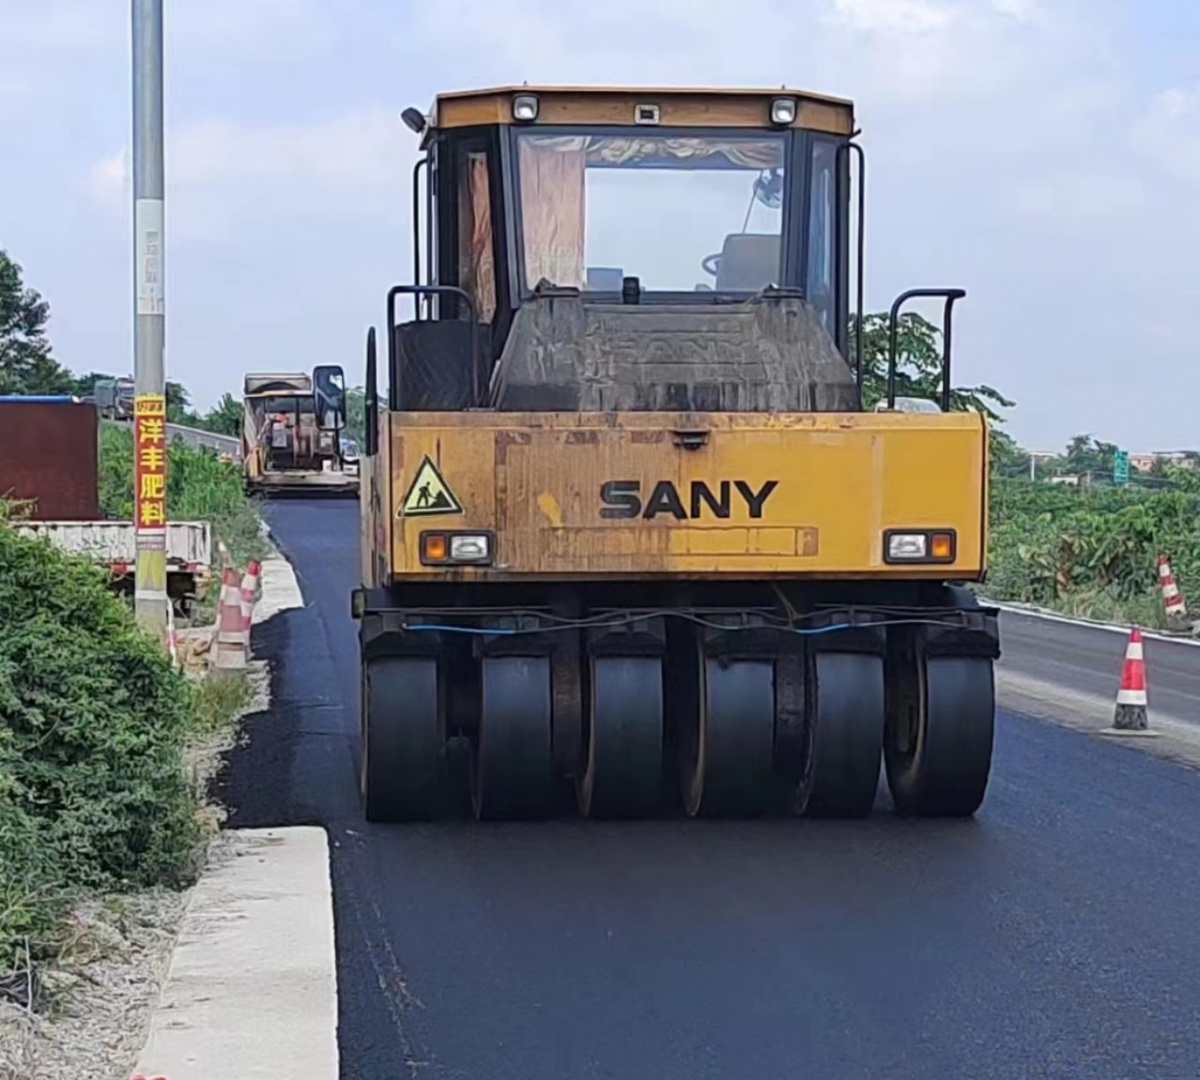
(939, 741)
(513, 764)
(623, 774)
(846, 717)
(728, 747)
(403, 739)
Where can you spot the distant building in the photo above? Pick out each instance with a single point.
(1144, 462)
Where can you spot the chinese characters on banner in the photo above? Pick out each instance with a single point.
(150, 462)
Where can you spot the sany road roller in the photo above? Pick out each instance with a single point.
(631, 543)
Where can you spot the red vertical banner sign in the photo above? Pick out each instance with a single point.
(150, 462)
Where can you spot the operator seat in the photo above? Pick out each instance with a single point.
(749, 262)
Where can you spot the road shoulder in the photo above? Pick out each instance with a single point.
(252, 987)
(1176, 739)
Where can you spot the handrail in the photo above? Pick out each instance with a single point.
(949, 295)
(422, 161)
(843, 150)
(371, 404)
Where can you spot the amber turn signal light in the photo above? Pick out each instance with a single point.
(434, 547)
(941, 546)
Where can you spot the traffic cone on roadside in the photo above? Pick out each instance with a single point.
(249, 596)
(1130, 716)
(1174, 607)
(232, 637)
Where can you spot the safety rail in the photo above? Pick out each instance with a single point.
(950, 296)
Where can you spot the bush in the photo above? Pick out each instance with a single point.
(93, 726)
(1091, 550)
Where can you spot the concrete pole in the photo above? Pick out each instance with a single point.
(150, 473)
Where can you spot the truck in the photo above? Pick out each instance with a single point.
(291, 434)
(631, 534)
(113, 545)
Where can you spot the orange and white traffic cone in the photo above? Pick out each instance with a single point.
(232, 636)
(249, 597)
(1130, 716)
(1174, 606)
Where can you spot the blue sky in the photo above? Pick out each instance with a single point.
(1043, 154)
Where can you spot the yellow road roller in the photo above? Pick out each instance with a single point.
(631, 544)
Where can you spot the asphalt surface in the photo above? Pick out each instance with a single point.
(1055, 935)
(1088, 659)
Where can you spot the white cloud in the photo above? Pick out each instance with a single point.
(108, 178)
(1020, 10)
(892, 16)
(1081, 200)
(1168, 133)
(1008, 144)
(286, 24)
(60, 28)
(358, 151)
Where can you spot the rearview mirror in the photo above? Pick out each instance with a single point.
(329, 387)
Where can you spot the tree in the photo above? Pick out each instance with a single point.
(179, 405)
(1005, 456)
(26, 365)
(918, 366)
(1088, 455)
(225, 417)
(356, 414)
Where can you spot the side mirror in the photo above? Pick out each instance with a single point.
(329, 387)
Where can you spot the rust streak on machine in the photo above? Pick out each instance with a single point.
(630, 533)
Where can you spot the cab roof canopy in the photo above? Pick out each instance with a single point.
(650, 107)
(277, 383)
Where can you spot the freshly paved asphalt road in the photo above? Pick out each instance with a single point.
(1056, 935)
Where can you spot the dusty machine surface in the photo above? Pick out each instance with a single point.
(292, 428)
(631, 543)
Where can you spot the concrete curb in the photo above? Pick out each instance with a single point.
(252, 987)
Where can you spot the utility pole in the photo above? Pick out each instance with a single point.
(149, 333)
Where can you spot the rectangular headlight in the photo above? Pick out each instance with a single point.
(903, 546)
(470, 547)
(924, 546)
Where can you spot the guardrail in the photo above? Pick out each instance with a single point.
(196, 437)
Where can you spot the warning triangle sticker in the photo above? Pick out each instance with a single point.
(429, 494)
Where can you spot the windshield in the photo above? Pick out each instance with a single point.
(285, 404)
(680, 214)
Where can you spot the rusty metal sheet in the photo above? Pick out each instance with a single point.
(49, 454)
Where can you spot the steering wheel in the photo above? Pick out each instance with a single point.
(710, 263)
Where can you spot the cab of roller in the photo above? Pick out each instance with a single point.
(671, 197)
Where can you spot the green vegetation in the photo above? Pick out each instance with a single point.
(200, 487)
(1085, 548)
(95, 722)
(1092, 550)
(94, 725)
